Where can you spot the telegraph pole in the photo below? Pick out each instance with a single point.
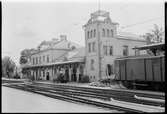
(99, 5)
(99, 49)
(99, 44)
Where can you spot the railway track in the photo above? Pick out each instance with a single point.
(115, 94)
(72, 91)
(71, 98)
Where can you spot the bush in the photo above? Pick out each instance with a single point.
(16, 76)
(32, 78)
(60, 78)
(97, 84)
(54, 80)
(108, 81)
(85, 79)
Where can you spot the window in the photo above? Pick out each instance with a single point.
(112, 33)
(43, 58)
(30, 59)
(125, 50)
(103, 34)
(88, 34)
(89, 47)
(91, 34)
(137, 52)
(94, 32)
(33, 61)
(108, 33)
(48, 58)
(36, 60)
(40, 73)
(111, 50)
(43, 73)
(93, 46)
(40, 59)
(110, 69)
(92, 64)
(105, 50)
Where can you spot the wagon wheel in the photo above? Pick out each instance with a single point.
(127, 84)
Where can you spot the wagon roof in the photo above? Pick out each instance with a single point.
(159, 46)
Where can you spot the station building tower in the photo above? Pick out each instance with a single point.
(100, 32)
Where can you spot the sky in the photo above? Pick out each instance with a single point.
(25, 24)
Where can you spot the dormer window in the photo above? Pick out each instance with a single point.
(73, 47)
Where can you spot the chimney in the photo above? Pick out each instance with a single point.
(54, 39)
(63, 37)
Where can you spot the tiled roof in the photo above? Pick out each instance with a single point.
(65, 44)
(77, 53)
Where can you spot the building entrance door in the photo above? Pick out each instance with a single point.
(47, 76)
(81, 72)
(67, 74)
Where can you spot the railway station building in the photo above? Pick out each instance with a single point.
(103, 43)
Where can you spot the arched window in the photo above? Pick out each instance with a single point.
(89, 47)
(88, 34)
(108, 33)
(105, 50)
(103, 34)
(93, 46)
(92, 64)
(111, 50)
(91, 34)
(94, 32)
(112, 33)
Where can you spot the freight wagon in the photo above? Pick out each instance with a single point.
(144, 72)
(141, 71)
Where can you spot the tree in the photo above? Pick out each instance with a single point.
(155, 36)
(23, 60)
(8, 67)
(25, 55)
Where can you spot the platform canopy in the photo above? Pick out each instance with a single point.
(78, 60)
(157, 46)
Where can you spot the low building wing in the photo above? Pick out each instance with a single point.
(129, 36)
